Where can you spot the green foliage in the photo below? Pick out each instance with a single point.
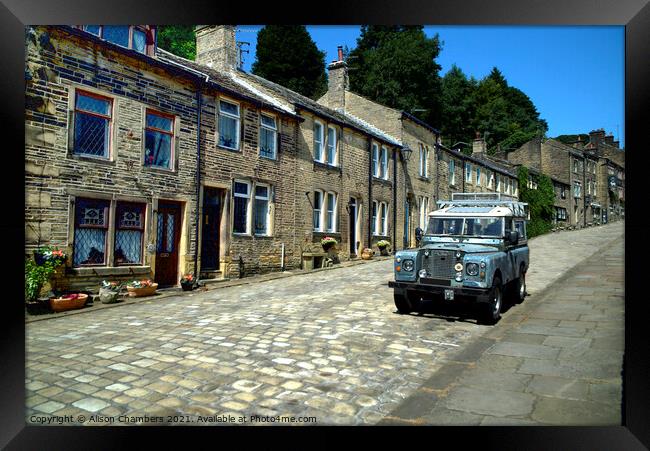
(570, 139)
(502, 113)
(287, 55)
(36, 276)
(383, 243)
(396, 66)
(540, 202)
(178, 39)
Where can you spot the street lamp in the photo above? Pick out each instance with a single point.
(406, 153)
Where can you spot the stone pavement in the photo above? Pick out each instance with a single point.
(327, 344)
(557, 360)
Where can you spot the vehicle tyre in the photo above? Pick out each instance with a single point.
(519, 290)
(492, 309)
(403, 303)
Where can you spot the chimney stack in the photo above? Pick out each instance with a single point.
(337, 82)
(595, 136)
(478, 145)
(216, 47)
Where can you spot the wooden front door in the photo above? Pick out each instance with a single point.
(167, 234)
(353, 225)
(210, 229)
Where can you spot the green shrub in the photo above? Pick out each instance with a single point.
(540, 202)
(35, 277)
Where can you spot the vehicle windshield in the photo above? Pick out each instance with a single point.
(490, 227)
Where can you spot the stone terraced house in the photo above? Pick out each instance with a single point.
(142, 164)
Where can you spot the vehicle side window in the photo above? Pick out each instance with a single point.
(521, 228)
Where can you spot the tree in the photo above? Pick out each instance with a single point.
(287, 55)
(178, 39)
(457, 107)
(396, 66)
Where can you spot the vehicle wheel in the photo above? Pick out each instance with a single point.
(492, 308)
(403, 303)
(520, 288)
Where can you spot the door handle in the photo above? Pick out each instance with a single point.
(206, 219)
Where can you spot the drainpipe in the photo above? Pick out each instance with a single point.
(395, 199)
(437, 161)
(198, 178)
(584, 187)
(369, 245)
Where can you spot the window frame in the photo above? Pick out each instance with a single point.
(321, 142)
(109, 146)
(118, 205)
(424, 161)
(172, 141)
(335, 147)
(249, 196)
(237, 118)
(374, 214)
(255, 198)
(383, 218)
(334, 212)
(452, 172)
(375, 160)
(383, 163)
(478, 175)
(320, 194)
(106, 228)
(275, 136)
(132, 30)
(468, 172)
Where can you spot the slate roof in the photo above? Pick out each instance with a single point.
(305, 103)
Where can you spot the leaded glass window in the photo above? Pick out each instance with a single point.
(241, 206)
(139, 40)
(159, 138)
(92, 125)
(228, 125)
(94, 29)
(91, 225)
(268, 136)
(129, 232)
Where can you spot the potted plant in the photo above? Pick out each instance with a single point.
(110, 291)
(35, 277)
(383, 247)
(139, 288)
(68, 302)
(328, 243)
(49, 254)
(187, 282)
(367, 253)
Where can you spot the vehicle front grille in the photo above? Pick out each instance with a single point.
(439, 264)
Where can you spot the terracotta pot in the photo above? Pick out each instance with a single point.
(60, 304)
(144, 291)
(366, 254)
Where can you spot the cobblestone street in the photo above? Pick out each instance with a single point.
(327, 344)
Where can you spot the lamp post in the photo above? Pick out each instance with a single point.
(406, 152)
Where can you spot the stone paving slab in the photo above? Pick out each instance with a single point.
(327, 344)
(557, 362)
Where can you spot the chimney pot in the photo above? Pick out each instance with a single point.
(340, 52)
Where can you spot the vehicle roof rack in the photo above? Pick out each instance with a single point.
(486, 200)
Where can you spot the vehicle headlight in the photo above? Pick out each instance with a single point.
(407, 265)
(423, 273)
(482, 264)
(472, 269)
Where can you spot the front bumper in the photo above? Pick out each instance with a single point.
(481, 294)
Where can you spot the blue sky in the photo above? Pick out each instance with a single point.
(575, 75)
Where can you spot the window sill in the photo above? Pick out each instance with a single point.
(252, 237)
(382, 181)
(423, 178)
(110, 270)
(229, 149)
(275, 158)
(324, 234)
(89, 158)
(159, 169)
(320, 164)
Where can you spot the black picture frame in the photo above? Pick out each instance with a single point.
(633, 14)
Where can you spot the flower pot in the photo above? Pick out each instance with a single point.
(144, 291)
(187, 286)
(366, 254)
(108, 296)
(62, 304)
(327, 247)
(383, 251)
(39, 258)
